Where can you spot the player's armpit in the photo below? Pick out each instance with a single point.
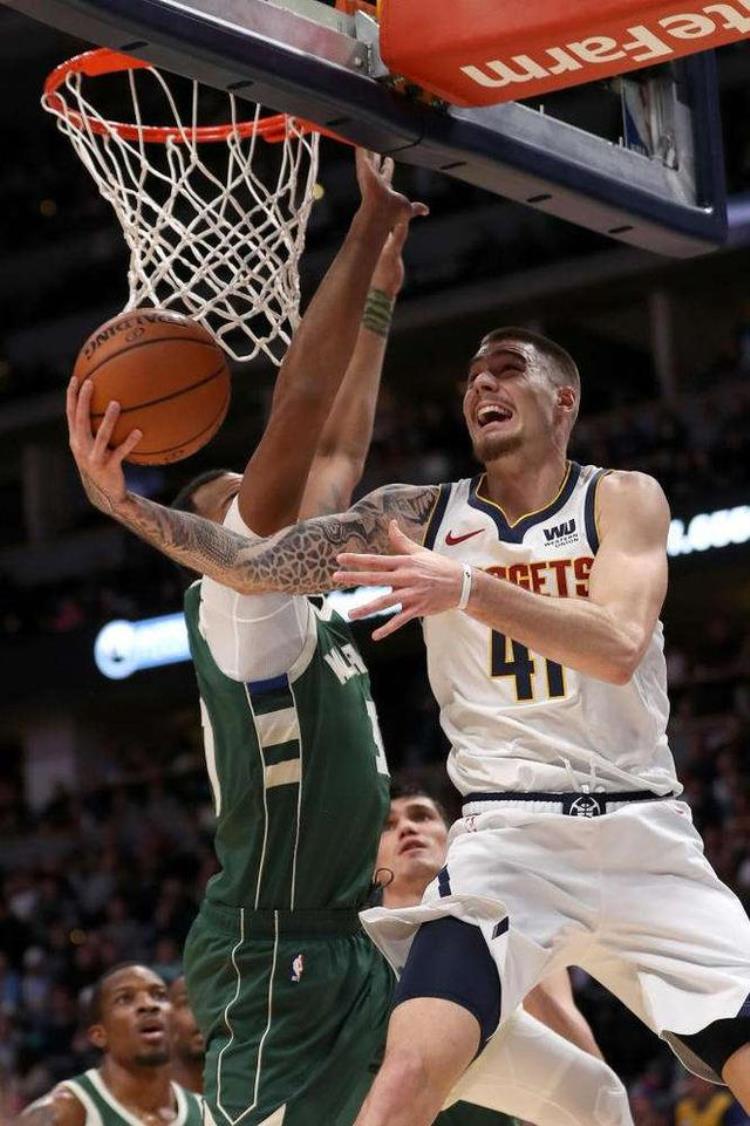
(297, 560)
(629, 575)
(59, 1108)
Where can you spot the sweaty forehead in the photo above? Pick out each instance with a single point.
(509, 346)
(131, 977)
(414, 804)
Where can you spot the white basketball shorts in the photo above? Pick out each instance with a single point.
(629, 896)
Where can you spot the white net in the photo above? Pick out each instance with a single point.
(215, 227)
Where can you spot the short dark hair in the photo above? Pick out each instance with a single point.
(409, 788)
(562, 361)
(184, 501)
(92, 1003)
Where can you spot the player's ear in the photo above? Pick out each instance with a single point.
(98, 1036)
(566, 398)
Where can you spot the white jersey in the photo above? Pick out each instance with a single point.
(517, 721)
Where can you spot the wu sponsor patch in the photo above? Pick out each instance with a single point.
(298, 966)
(558, 535)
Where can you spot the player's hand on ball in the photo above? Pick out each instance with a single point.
(374, 174)
(421, 581)
(100, 466)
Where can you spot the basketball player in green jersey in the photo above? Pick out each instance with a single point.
(292, 998)
(543, 1079)
(187, 1045)
(129, 1021)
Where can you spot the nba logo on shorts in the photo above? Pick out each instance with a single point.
(298, 965)
(586, 805)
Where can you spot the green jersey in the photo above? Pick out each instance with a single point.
(103, 1109)
(298, 771)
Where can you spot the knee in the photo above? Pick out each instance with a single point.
(405, 1074)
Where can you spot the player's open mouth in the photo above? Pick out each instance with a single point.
(152, 1031)
(493, 413)
(412, 845)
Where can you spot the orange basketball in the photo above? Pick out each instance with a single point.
(169, 376)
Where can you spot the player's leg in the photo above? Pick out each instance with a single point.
(736, 1074)
(721, 1049)
(531, 1072)
(552, 1002)
(447, 1005)
(430, 1044)
(687, 972)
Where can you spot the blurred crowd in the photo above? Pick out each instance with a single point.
(110, 873)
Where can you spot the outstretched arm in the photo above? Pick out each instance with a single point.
(299, 560)
(310, 376)
(342, 450)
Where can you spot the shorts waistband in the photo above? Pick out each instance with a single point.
(575, 804)
(266, 923)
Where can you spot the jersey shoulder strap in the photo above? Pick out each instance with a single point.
(189, 1107)
(445, 493)
(591, 476)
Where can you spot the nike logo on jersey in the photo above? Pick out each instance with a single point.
(452, 540)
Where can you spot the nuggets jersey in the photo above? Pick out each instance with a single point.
(516, 720)
(103, 1109)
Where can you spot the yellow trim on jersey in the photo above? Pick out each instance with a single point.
(526, 515)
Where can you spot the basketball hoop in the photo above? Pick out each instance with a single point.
(215, 221)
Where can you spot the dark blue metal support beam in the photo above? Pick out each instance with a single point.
(510, 150)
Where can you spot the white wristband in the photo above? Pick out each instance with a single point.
(463, 601)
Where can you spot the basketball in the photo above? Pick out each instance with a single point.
(169, 376)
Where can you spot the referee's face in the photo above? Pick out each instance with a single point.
(413, 845)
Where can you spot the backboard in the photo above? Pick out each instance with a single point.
(654, 180)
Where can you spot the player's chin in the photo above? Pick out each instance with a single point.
(157, 1057)
(490, 447)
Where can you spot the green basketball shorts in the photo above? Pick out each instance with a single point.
(293, 1007)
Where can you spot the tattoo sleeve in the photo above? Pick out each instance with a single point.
(298, 560)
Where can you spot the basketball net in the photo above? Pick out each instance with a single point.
(214, 216)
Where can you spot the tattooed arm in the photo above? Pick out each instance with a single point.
(299, 560)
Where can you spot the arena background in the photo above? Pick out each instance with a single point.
(105, 816)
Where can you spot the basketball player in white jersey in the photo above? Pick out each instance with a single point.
(541, 585)
(129, 1016)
